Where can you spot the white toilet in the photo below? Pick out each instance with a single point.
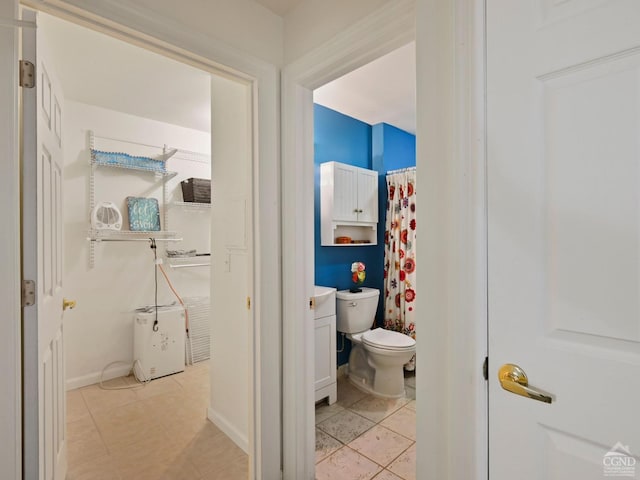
(377, 356)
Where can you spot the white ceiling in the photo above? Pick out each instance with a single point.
(381, 91)
(99, 70)
(279, 7)
(96, 69)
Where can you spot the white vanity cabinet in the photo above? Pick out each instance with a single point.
(348, 204)
(325, 344)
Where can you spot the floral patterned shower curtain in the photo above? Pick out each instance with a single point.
(400, 254)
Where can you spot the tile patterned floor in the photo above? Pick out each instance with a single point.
(363, 437)
(158, 432)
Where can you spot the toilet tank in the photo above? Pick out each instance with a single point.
(356, 311)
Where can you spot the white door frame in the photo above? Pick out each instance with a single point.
(10, 325)
(143, 28)
(451, 392)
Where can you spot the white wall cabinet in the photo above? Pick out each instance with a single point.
(348, 204)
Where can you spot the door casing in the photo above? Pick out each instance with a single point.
(451, 391)
(10, 327)
(216, 58)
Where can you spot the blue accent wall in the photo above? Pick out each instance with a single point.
(340, 138)
(392, 148)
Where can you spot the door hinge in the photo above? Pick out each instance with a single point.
(485, 368)
(27, 74)
(28, 293)
(312, 303)
(248, 303)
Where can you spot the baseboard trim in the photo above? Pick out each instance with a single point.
(91, 378)
(232, 432)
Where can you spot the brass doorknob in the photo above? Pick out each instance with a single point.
(68, 304)
(513, 379)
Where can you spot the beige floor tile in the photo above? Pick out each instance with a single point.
(156, 465)
(348, 394)
(97, 468)
(412, 405)
(215, 453)
(325, 445)
(324, 411)
(345, 426)
(208, 432)
(127, 425)
(176, 405)
(380, 445)
(346, 464)
(155, 387)
(376, 409)
(184, 432)
(194, 375)
(238, 470)
(403, 422)
(156, 432)
(76, 406)
(192, 438)
(386, 475)
(405, 465)
(99, 400)
(150, 455)
(178, 470)
(84, 442)
(195, 386)
(149, 442)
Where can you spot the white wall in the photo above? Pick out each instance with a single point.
(240, 24)
(232, 273)
(312, 23)
(99, 330)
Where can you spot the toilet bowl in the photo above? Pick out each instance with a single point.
(378, 355)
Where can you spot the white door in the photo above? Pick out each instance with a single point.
(564, 236)
(44, 392)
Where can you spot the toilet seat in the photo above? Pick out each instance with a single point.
(382, 339)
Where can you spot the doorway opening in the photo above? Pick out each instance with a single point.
(364, 137)
(118, 281)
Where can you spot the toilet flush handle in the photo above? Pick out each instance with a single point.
(353, 304)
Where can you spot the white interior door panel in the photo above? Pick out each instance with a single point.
(563, 103)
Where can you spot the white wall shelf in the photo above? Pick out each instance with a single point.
(129, 236)
(191, 205)
(98, 236)
(189, 262)
(159, 173)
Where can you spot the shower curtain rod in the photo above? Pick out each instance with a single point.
(400, 170)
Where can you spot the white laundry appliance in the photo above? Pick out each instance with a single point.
(159, 350)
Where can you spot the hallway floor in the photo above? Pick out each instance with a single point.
(363, 437)
(155, 432)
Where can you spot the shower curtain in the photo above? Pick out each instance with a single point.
(399, 253)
